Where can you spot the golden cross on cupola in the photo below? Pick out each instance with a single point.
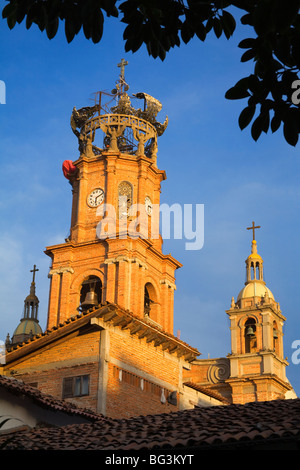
(253, 227)
(34, 270)
(122, 65)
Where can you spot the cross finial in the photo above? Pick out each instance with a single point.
(253, 229)
(122, 65)
(34, 270)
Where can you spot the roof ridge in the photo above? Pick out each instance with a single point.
(92, 312)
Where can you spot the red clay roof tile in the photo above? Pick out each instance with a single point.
(18, 387)
(200, 428)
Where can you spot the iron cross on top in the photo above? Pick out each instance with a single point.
(34, 270)
(122, 66)
(253, 229)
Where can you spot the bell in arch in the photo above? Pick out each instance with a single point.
(91, 299)
(249, 331)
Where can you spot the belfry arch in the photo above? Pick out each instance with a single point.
(90, 292)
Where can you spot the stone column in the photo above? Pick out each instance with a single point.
(110, 189)
(267, 331)
(59, 295)
(233, 330)
(82, 194)
(142, 193)
(122, 281)
(109, 288)
(53, 299)
(137, 284)
(75, 206)
(165, 316)
(64, 307)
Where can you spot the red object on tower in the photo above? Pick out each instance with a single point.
(68, 168)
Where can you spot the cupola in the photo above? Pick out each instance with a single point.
(29, 324)
(255, 290)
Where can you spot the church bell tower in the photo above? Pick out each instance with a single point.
(114, 250)
(257, 363)
(29, 323)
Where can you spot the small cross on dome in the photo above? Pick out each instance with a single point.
(253, 227)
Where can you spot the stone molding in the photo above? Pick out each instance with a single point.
(61, 270)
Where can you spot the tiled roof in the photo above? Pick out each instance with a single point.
(17, 387)
(204, 428)
(116, 316)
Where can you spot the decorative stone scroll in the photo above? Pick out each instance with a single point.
(219, 371)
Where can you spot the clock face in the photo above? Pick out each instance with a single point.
(96, 197)
(148, 205)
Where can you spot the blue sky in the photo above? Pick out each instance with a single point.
(208, 160)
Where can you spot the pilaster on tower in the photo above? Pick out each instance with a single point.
(115, 246)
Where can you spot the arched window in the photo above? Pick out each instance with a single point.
(257, 271)
(250, 336)
(125, 199)
(150, 301)
(31, 308)
(147, 302)
(90, 292)
(252, 271)
(275, 337)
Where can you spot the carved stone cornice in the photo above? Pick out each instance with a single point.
(123, 258)
(169, 284)
(61, 270)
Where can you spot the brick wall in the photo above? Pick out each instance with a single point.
(130, 394)
(74, 356)
(51, 382)
(137, 372)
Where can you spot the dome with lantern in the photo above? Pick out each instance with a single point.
(29, 325)
(255, 289)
